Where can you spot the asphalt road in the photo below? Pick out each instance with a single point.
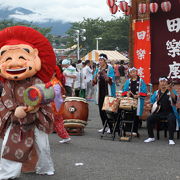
(104, 159)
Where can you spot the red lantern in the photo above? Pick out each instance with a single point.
(142, 7)
(114, 9)
(153, 7)
(128, 12)
(123, 5)
(110, 3)
(166, 6)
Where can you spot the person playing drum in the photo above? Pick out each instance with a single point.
(105, 80)
(135, 87)
(165, 98)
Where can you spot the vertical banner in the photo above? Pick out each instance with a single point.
(142, 48)
(165, 43)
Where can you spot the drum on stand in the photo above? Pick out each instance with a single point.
(111, 104)
(127, 108)
(128, 103)
(75, 114)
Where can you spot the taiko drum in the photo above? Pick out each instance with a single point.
(75, 114)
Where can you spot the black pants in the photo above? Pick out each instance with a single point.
(68, 90)
(82, 93)
(77, 92)
(102, 113)
(152, 119)
(136, 124)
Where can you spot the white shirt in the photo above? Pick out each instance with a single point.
(69, 71)
(79, 66)
(88, 71)
(83, 78)
(77, 83)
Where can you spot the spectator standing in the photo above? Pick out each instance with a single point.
(79, 65)
(70, 76)
(126, 66)
(77, 83)
(122, 74)
(83, 81)
(117, 74)
(89, 77)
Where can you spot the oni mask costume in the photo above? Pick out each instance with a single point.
(26, 58)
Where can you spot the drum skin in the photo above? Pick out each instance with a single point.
(128, 103)
(75, 114)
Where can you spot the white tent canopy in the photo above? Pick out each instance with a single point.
(112, 55)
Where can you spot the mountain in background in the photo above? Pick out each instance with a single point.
(58, 27)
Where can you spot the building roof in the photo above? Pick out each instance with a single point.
(112, 55)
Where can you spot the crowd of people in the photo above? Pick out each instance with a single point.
(79, 76)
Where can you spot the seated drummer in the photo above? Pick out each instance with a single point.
(166, 98)
(135, 87)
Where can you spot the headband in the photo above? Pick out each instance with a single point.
(163, 79)
(102, 57)
(131, 69)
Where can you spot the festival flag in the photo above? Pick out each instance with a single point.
(142, 49)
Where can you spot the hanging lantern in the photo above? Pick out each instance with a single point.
(153, 7)
(114, 9)
(128, 12)
(123, 5)
(142, 7)
(110, 3)
(166, 6)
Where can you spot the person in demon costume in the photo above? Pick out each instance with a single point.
(26, 58)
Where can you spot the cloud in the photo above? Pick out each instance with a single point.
(64, 10)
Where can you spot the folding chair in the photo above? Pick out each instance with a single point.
(127, 117)
(112, 119)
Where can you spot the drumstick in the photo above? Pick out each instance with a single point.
(130, 92)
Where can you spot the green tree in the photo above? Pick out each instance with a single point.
(94, 28)
(114, 34)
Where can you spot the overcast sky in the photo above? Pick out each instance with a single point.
(65, 10)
